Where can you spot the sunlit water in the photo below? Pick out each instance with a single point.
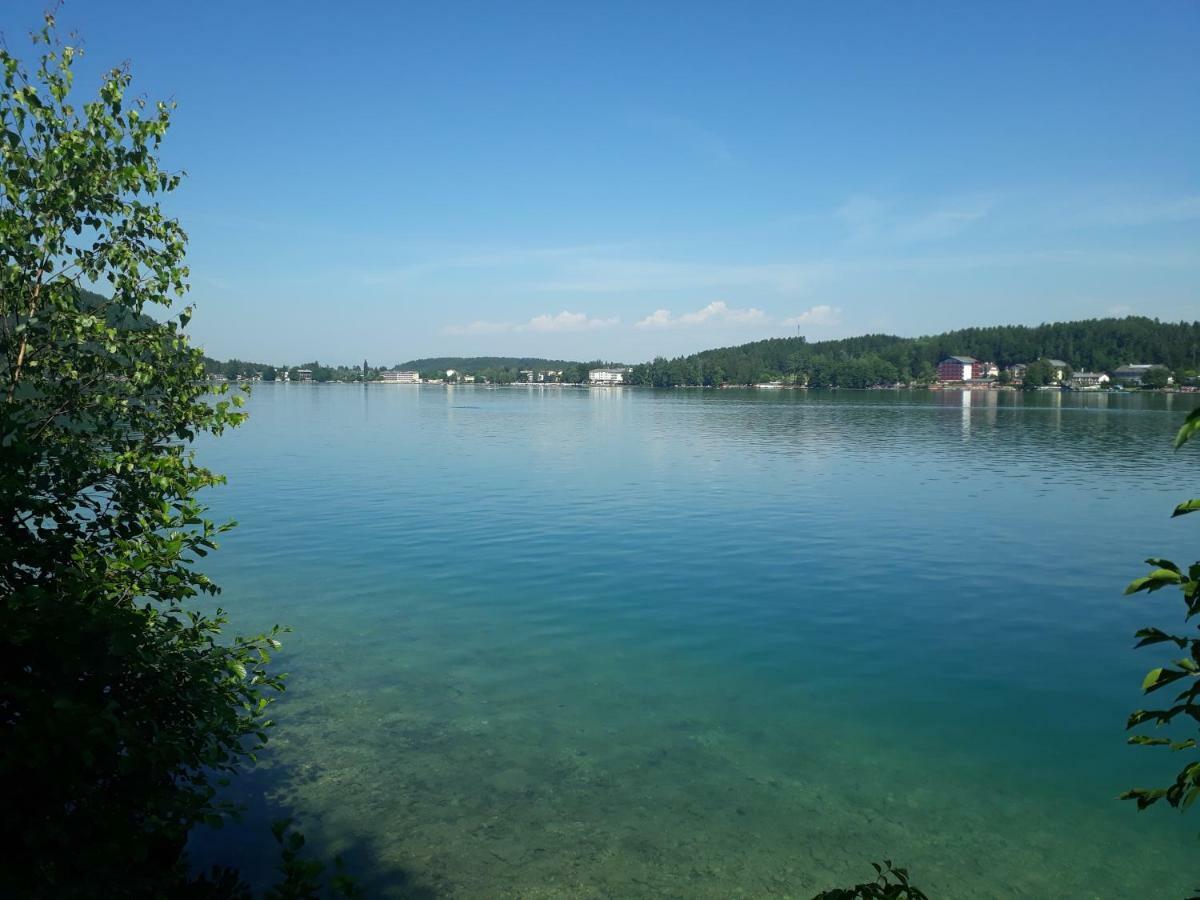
(619, 643)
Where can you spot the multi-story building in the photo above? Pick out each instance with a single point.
(1089, 380)
(607, 376)
(394, 377)
(958, 368)
(1132, 374)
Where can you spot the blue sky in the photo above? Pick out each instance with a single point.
(388, 180)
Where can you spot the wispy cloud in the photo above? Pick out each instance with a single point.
(596, 268)
(699, 140)
(868, 218)
(484, 258)
(619, 275)
(862, 215)
(821, 316)
(545, 323)
(1135, 213)
(568, 321)
(717, 311)
(942, 223)
(479, 327)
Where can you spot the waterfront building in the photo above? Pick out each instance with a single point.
(1089, 380)
(1132, 374)
(958, 368)
(1059, 368)
(607, 376)
(304, 374)
(394, 377)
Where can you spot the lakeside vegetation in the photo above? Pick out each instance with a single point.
(123, 701)
(879, 359)
(873, 360)
(119, 699)
(492, 369)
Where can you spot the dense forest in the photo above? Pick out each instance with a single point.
(240, 369)
(878, 359)
(874, 359)
(501, 369)
(495, 369)
(478, 363)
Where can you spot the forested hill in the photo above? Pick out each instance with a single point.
(479, 363)
(1092, 344)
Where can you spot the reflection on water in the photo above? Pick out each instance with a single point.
(570, 643)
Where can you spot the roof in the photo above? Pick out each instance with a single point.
(965, 360)
(1087, 374)
(1057, 363)
(1139, 367)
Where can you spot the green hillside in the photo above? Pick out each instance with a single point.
(479, 363)
(1092, 344)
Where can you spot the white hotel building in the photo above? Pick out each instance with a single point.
(400, 377)
(606, 376)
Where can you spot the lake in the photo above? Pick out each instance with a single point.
(624, 643)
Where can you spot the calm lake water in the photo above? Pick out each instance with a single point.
(622, 643)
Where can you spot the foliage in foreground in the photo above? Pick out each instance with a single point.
(1183, 792)
(890, 883)
(119, 702)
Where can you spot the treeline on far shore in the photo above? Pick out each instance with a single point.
(1097, 345)
(1094, 345)
(491, 370)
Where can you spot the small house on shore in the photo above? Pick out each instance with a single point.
(1089, 380)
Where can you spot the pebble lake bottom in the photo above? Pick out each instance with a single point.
(619, 643)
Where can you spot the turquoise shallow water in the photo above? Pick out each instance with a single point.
(618, 643)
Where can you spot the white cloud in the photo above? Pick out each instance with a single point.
(478, 327)
(660, 318)
(560, 322)
(822, 316)
(717, 311)
(567, 321)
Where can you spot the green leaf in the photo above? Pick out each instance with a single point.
(1191, 427)
(1159, 677)
(1188, 506)
(1157, 579)
(1156, 636)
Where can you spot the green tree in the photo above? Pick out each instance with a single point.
(1037, 374)
(119, 698)
(1184, 671)
(1156, 378)
(890, 883)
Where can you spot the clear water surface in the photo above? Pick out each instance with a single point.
(620, 643)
